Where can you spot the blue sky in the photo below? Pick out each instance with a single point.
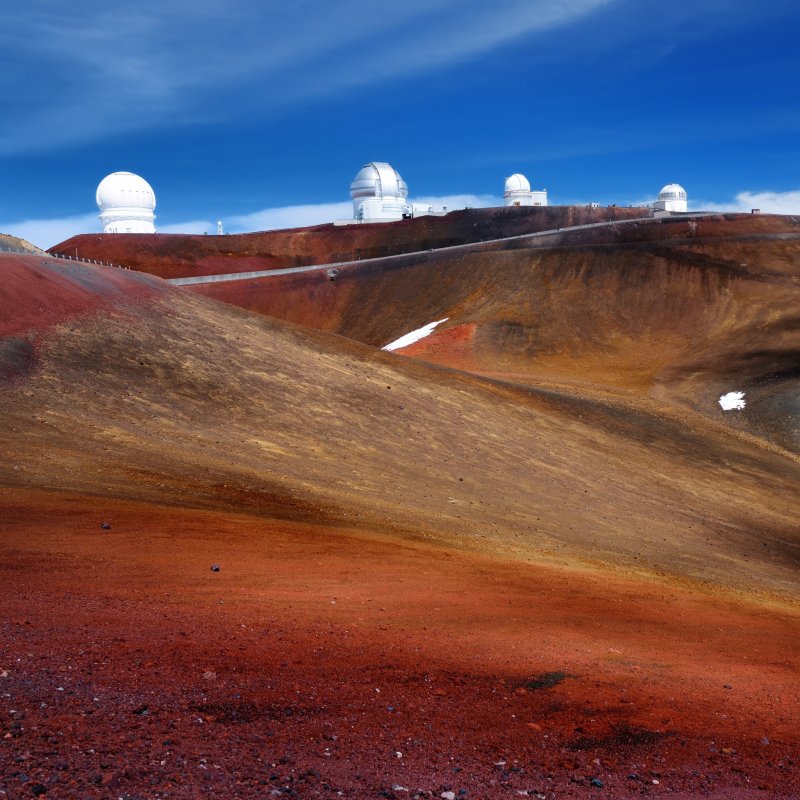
(259, 113)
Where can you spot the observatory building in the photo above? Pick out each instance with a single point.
(379, 194)
(126, 204)
(671, 198)
(518, 192)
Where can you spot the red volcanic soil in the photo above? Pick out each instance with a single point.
(453, 346)
(429, 581)
(62, 292)
(181, 255)
(619, 274)
(323, 662)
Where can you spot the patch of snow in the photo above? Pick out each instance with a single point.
(731, 401)
(414, 336)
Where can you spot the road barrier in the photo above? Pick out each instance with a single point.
(76, 259)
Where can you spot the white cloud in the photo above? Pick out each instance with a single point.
(767, 202)
(743, 203)
(45, 233)
(48, 232)
(455, 201)
(268, 219)
(317, 214)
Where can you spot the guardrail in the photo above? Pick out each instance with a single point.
(76, 259)
(92, 261)
(4, 249)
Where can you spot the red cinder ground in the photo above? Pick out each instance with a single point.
(368, 633)
(39, 292)
(320, 662)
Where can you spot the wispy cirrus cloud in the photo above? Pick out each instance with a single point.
(99, 69)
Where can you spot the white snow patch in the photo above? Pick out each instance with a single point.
(414, 336)
(731, 401)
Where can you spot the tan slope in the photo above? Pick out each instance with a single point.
(171, 398)
(642, 309)
(10, 243)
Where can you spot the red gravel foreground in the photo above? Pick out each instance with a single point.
(321, 663)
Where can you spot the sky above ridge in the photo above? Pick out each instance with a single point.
(260, 113)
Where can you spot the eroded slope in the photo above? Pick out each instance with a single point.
(168, 397)
(671, 311)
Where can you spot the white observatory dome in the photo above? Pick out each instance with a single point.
(126, 204)
(672, 198)
(518, 192)
(517, 183)
(379, 193)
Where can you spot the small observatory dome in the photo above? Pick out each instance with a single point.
(379, 194)
(672, 198)
(126, 204)
(518, 192)
(517, 183)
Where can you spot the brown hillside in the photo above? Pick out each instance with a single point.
(659, 310)
(428, 580)
(12, 243)
(169, 397)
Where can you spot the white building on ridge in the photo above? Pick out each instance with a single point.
(379, 194)
(126, 204)
(518, 192)
(672, 198)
